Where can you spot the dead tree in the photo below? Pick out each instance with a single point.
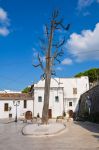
(52, 47)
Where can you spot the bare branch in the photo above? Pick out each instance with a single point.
(53, 73)
(42, 40)
(47, 34)
(36, 65)
(55, 14)
(43, 47)
(61, 43)
(40, 63)
(42, 76)
(57, 23)
(54, 55)
(58, 45)
(65, 27)
(58, 60)
(60, 53)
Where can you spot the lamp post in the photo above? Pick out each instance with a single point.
(16, 103)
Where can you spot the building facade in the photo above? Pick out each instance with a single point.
(12, 102)
(64, 96)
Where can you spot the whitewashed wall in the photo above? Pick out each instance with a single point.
(66, 96)
(20, 108)
(62, 87)
(82, 85)
(56, 107)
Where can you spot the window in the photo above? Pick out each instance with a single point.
(39, 98)
(56, 99)
(6, 107)
(25, 103)
(74, 90)
(70, 103)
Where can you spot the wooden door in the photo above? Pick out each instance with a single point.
(28, 115)
(50, 113)
(71, 113)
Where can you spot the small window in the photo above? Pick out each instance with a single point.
(70, 103)
(74, 90)
(25, 103)
(6, 107)
(56, 99)
(40, 99)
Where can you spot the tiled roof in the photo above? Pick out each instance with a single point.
(15, 96)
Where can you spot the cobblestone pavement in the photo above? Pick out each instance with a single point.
(77, 136)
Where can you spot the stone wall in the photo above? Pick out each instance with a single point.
(89, 105)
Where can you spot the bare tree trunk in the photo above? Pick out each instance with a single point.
(47, 79)
(46, 99)
(53, 52)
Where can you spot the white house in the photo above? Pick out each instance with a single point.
(64, 96)
(8, 101)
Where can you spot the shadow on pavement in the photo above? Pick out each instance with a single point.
(92, 127)
(96, 136)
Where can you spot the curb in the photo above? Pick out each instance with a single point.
(44, 134)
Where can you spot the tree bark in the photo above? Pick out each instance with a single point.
(51, 56)
(47, 78)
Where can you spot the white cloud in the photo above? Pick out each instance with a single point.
(85, 3)
(67, 61)
(4, 23)
(59, 68)
(4, 31)
(3, 14)
(84, 46)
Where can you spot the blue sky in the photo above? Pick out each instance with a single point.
(21, 25)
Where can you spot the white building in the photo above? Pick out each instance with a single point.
(64, 96)
(8, 100)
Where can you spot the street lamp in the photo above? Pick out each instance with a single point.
(16, 103)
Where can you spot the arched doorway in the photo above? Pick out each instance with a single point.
(28, 115)
(70, 112)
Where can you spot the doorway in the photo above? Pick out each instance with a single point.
(50, 113)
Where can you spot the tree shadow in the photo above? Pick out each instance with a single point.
(96, 136)
(92, 127)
